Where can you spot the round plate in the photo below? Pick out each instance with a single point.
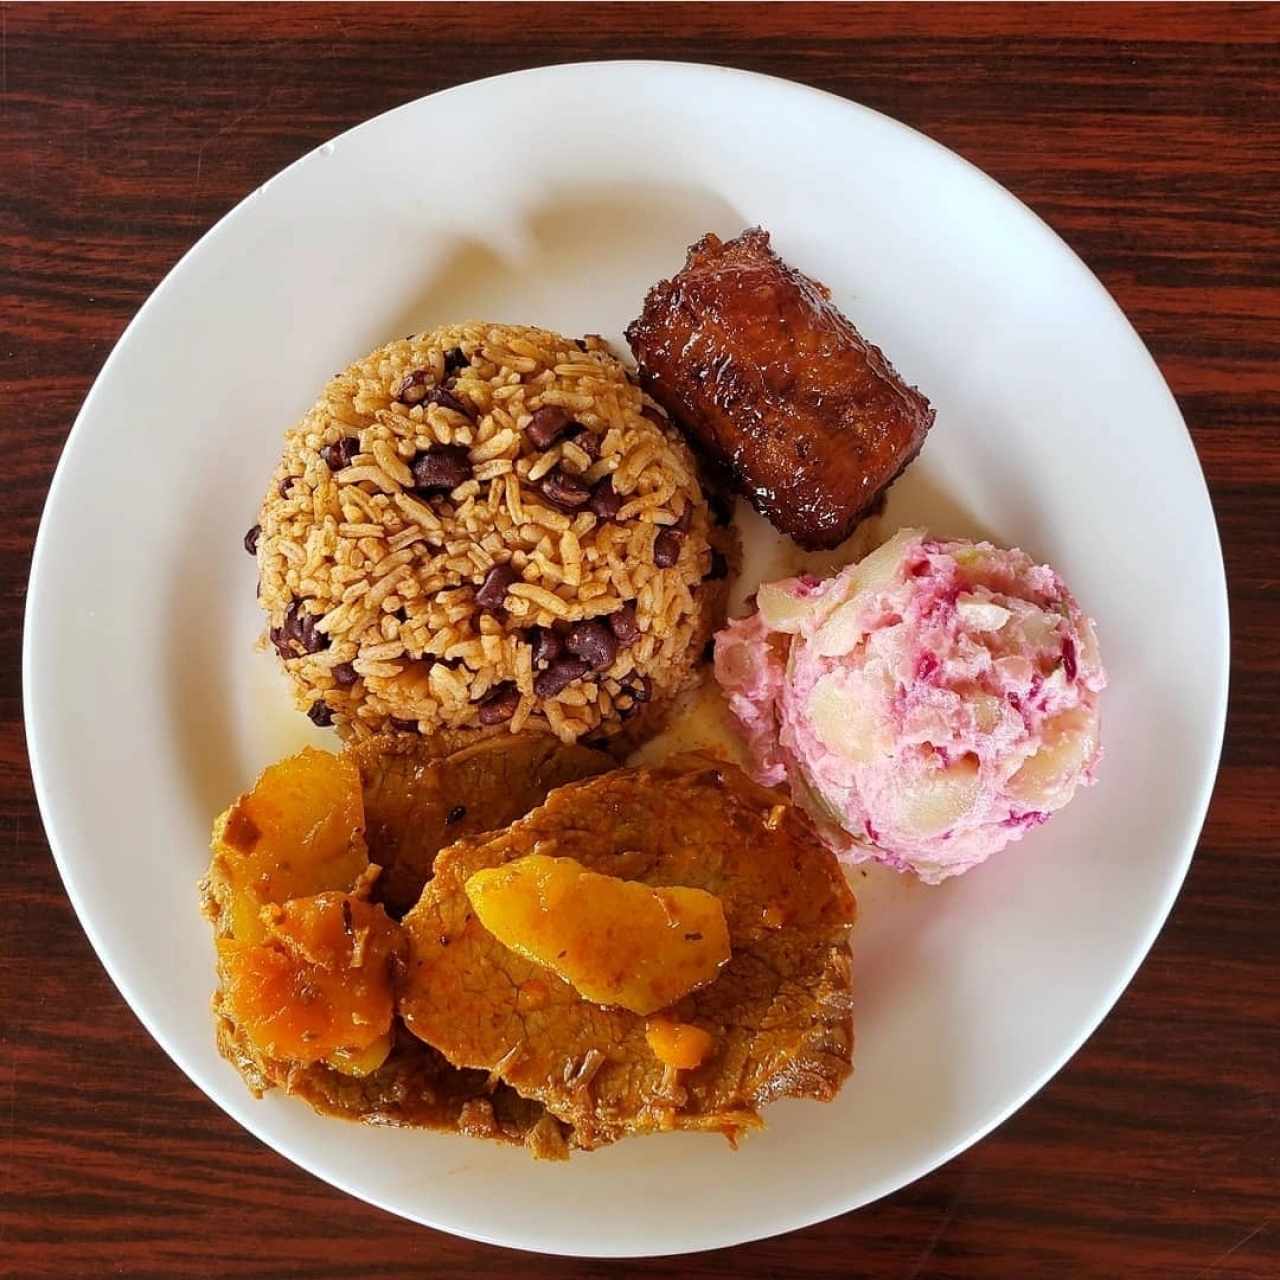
(561, 195)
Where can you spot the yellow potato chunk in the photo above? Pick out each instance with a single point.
(678, 1044)
(299, 831)
(846, 726)
(362, 1062)
(1048, 779)
(936, 801)
(319, 985)
(617, 942)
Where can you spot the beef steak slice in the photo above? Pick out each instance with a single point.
(416, 803)
(780, 1012)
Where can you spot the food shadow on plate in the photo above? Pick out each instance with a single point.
(920, 498)
(197, 680)
(904, 931)
(212, 626)
(926, 496)
(557, 264)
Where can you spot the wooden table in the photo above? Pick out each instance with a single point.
(1148, 136)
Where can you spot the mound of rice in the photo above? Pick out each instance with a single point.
(487, 528)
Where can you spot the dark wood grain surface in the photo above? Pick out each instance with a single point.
(1148, 136)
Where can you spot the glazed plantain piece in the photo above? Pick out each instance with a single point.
(776, 387)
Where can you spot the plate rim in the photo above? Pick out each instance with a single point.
(37, 734)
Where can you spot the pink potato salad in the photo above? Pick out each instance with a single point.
(926, 705)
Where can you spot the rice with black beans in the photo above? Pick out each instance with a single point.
(415, 483)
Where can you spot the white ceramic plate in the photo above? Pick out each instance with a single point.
(556, 197)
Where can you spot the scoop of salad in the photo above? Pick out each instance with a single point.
(927, 705)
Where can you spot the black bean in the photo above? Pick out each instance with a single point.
(454, 360)
(283, 487)
(440, 469)
(298, 635)
(405, 726)
(564, 491)
(338, 455)
(547, 425)
(719, 566)
(447, 400)
(593, 642)
(312, 641)
(413, 387)
(546, 647)
(559, 675)
(639, 691)
(666, 548)
(585, 439)
(624, 625)
(493, 591)
(320, 713)
(456, 814)
(500, 705)
(251, 539)
(605, 503)
(344, 675)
